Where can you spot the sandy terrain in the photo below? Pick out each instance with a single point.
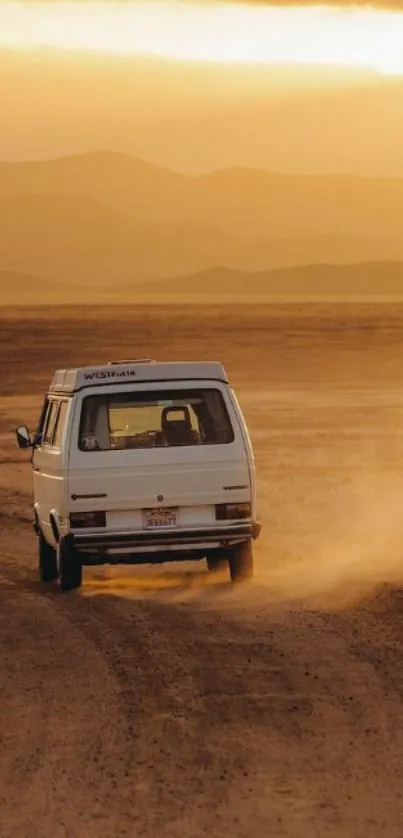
(160, 702)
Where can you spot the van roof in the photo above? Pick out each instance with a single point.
(131, 372)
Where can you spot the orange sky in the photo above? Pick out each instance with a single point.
(221, 32)
(199, 86)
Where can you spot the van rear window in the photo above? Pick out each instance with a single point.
(154, 419)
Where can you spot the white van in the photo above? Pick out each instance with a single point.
(142, 462)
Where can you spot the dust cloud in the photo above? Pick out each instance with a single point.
(357, 548)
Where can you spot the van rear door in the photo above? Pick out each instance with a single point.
(172, 446)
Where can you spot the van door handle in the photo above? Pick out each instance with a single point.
(37, 469)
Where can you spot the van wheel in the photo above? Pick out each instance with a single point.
(241, 562)
(70, 567)
(47, 562)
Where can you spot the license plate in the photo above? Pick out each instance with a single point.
(160, 519)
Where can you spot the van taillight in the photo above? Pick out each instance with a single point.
(79, 520)
(232, 511)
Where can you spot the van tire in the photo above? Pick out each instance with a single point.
(241, 562)
(70, 567)
(47, 562)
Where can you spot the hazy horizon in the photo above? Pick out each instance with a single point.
(286, 120)
(200, 86)
(194, 119)
(95, 151)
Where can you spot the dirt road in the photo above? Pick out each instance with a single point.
(162, 702)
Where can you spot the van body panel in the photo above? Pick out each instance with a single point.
(141, 485)
(50, 477)
(132, 484)
(190, 478)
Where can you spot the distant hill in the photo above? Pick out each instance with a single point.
(16, 283)
(107, 218)
(75, 238)
(238, 201)
(23, 289)
(248, 201)
(383, 279)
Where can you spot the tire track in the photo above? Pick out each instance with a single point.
(220, 713)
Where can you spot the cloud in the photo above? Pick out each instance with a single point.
(247, 32)
(379, 5)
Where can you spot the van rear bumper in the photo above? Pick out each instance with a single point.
(182, 538)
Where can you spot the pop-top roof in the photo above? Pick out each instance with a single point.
(131, 372)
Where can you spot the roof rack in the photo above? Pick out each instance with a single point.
(131, 361)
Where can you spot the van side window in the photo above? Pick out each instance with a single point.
(60, 424)
(50, 422)
(42, 417)
(41, 422)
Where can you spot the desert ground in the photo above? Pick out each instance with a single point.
(164, 702)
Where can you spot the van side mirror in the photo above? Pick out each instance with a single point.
(23, 437)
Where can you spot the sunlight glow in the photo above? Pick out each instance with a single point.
(351, 37)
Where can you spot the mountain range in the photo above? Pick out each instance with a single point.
(364, 280)
(108, 219)
(328, 282)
